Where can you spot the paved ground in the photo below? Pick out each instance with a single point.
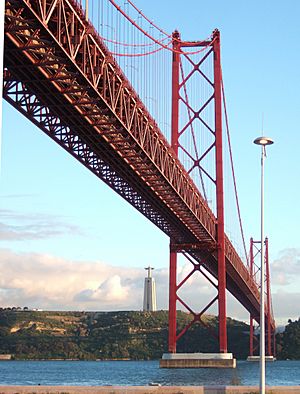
(146, 390)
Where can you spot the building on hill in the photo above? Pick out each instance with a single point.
(149, 292)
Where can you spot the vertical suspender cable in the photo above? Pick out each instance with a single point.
(232, 170)
(87, 10)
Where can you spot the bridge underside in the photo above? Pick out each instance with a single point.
(59, 121)
(63, 80)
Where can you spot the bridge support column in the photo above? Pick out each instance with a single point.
(251, 337)
(179, 100)
(172, 301)
(274, 344)
(220, 195)
(251, 268)
(189, 360)
(269, 328)
(174, 144)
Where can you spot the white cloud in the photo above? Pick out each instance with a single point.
(286, 306)
(286, 269)
(48, 282)
(52, 283)
(26, 226)
(111, 291)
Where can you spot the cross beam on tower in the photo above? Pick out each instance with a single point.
(177, 97)
(63, 78)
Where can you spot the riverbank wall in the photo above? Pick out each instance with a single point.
(147, 390)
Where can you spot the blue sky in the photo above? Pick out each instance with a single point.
(59, 217)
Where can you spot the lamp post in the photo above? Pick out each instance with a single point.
(263, 142)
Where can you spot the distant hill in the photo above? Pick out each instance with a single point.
(109, 335)
(288, 341)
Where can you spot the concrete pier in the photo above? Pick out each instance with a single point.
(256, 358)
(197, 360)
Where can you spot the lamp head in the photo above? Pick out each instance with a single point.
(263, 141)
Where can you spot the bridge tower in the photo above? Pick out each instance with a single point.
(196, 114)
(59, 73)
(255, 250)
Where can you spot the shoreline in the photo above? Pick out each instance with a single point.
(147, 389)
(75, 359)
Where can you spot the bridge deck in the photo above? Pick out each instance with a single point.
(60, 75)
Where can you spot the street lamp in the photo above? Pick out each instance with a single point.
(263, 141)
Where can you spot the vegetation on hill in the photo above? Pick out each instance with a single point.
(288, 342)
(132, 335)
(107, 335)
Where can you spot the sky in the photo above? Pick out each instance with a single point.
(67, 242)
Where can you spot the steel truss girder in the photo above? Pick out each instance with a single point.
(98, 76)
(20, 97)
(63, 78)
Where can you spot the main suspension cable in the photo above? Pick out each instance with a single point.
(207, 42)
(232, 170)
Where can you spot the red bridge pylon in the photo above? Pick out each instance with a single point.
(255, 250)
(196, 117)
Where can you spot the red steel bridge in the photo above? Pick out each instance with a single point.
(83, 90)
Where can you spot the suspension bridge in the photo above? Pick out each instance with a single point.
(144, 111)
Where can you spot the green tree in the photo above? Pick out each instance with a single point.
(289, 341)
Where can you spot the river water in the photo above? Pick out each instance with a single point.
(99, 373)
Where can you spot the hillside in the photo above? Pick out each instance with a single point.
(107, 335)
(288, 341)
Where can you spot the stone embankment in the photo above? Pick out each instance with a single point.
(147, 390)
